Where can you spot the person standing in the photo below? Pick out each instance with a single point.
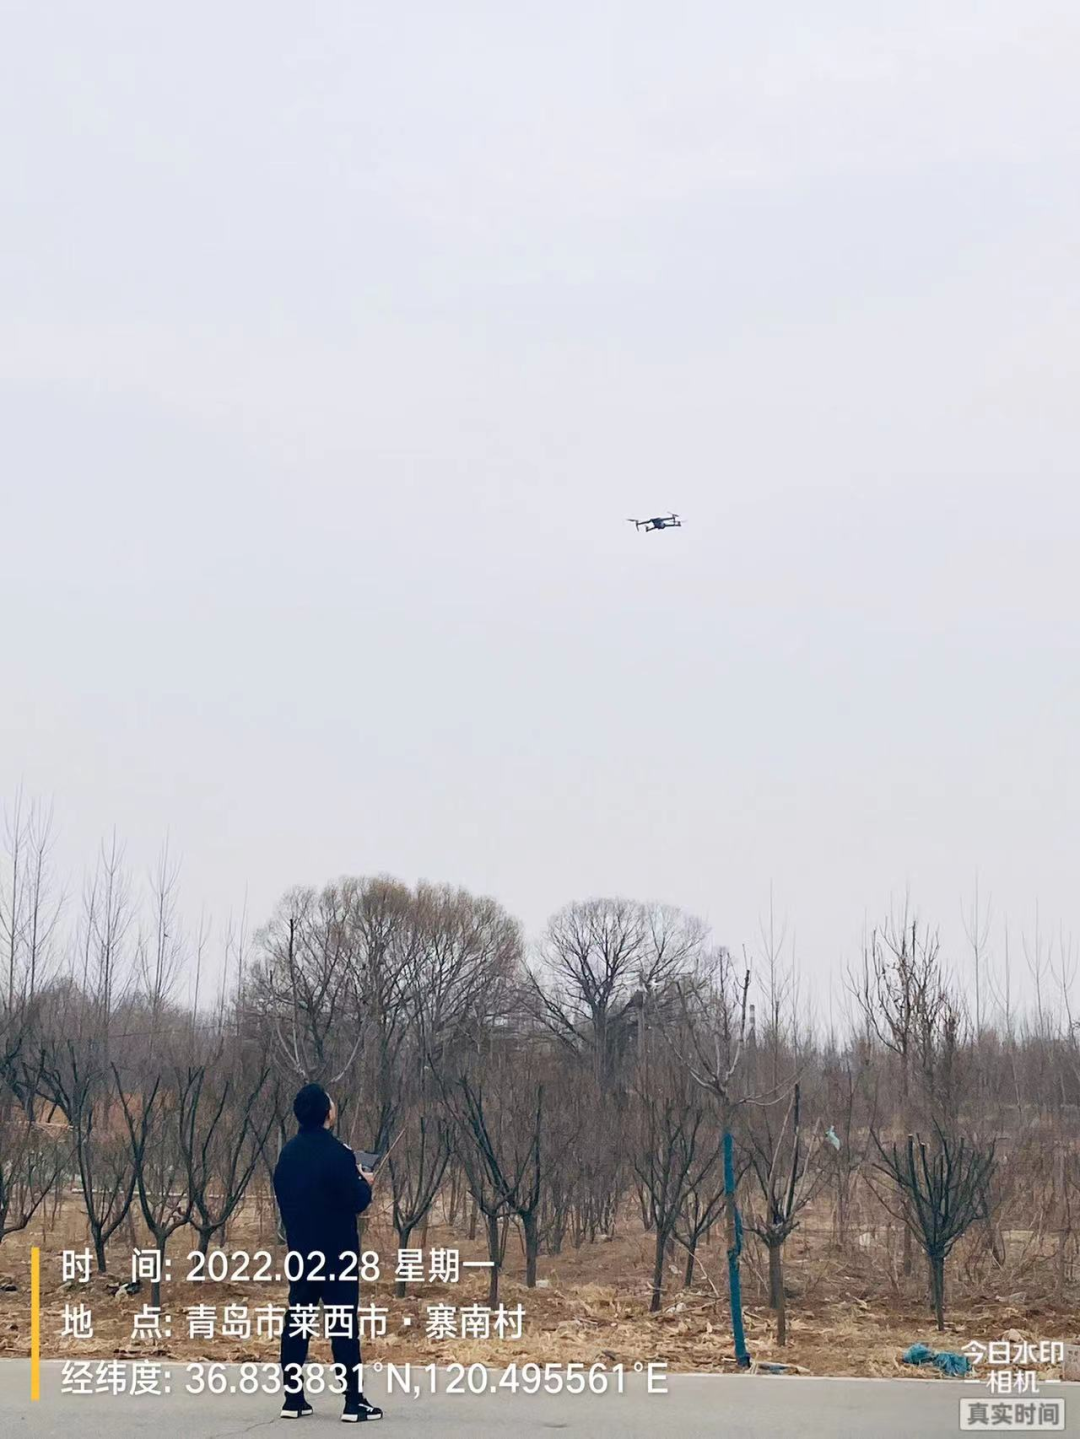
(320, 1190)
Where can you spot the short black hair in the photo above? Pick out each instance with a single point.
(311, 1106)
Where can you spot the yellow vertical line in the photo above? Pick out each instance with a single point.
(35, 1323)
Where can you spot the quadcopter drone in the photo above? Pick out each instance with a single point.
(658, 522)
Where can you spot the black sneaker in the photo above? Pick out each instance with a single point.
(295, 1407)
(358, 1410)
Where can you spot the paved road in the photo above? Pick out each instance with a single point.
(717, 1406)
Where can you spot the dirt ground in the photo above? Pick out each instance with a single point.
(849, 1313)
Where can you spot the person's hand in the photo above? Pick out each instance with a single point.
(368, 1174)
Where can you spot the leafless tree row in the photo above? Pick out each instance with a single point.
(539, 1096)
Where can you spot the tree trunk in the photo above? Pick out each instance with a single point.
(1065, 1218)
(937, 1278)
(691, 1253)
(658, 1271)
(404, 1235)
(643, 1205)
(734, 1249)
(531, 1227)
(155, 1285)
(841, 1210)
(775, 1276)
(905, 1111)
(777, 1299)
(493, 1255)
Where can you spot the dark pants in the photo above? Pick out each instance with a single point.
(294, 1347)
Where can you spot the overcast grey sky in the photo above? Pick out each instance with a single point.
(338, 341)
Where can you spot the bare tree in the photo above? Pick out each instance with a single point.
(714, 1033)
(781, 1162)
(385, 949)
(160, 954)
(703, 1204)
(467, 972)
(417, 1165)
(32, 1158)
(108, 913)
(307, 983)
(675, 1149)
(222, 1131)
(154, 1133)
(500, 1132)
(899, 991)
(977, 929)
(487, 1184)
(944, 1190)
(73, 1076)
(844, 1079)
(599, 961)
(30, 905)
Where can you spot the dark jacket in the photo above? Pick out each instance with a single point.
(320, 1192)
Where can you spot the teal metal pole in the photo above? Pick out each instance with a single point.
(742, 1357)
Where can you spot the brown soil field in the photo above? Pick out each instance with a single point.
(849, 1313)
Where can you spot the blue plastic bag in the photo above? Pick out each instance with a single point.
(917, 1354)
(955, 1365)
